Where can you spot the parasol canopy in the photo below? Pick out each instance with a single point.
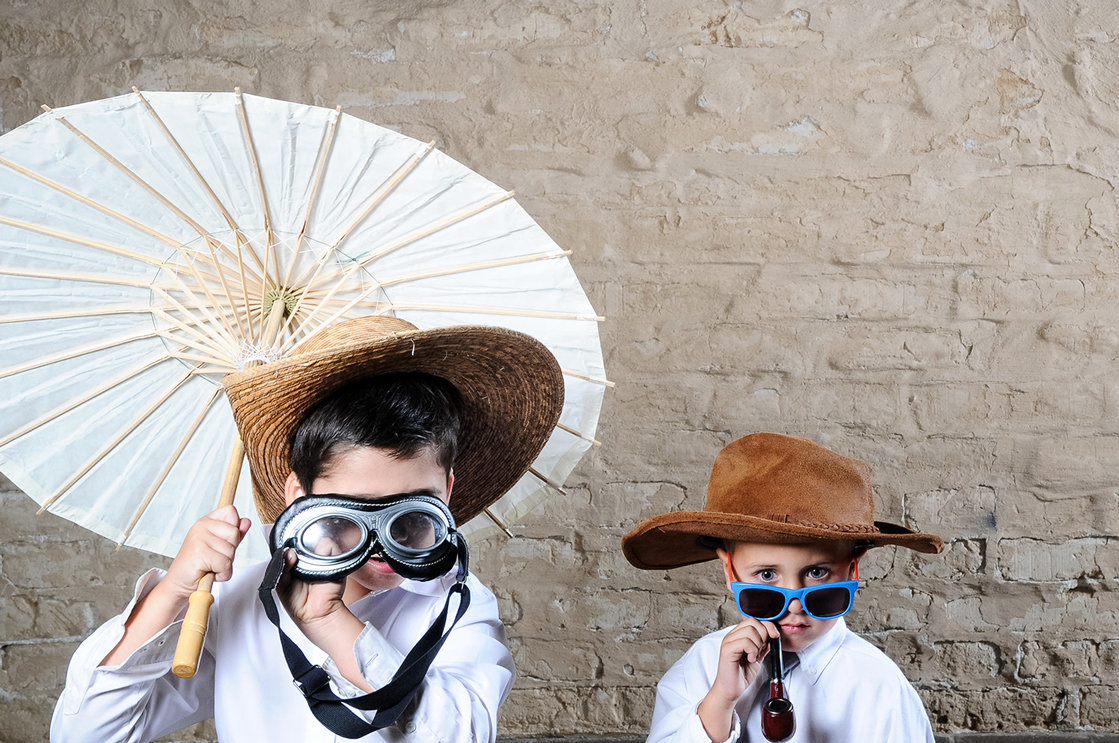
(152, 243)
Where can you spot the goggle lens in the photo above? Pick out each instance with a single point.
(332, 535)
(415, 530)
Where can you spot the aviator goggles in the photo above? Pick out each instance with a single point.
(334, 535)
(824, 601)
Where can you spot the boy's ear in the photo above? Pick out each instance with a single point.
(728, 569)
(292, 489)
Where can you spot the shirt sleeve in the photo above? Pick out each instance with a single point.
(676, 711)
(903, 719)
(136, 701)
(462, 690)
(682, 725)
(897, 712)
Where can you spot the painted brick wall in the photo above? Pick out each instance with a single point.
(888, 226)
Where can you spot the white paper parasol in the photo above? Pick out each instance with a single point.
(145, 239)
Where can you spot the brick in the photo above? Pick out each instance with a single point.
(972, 664)
(990, 297)
(1041, 407)
(965, 512)
(1052, 663)
(688, 614)
(1098, 706)
(34, 668)
(987, 709)
(30, 617)
(1064, 467)
(1075, 559)
(964, 560)
(837, 296)
(569, 664)
(904, 350)
(26, 717)
(868, 406)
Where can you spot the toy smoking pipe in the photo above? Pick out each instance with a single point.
(777, 713)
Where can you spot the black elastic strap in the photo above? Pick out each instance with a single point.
(392, 698)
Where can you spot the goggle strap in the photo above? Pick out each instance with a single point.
(463, 559)
(392, 698)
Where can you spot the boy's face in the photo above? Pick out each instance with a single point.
(367, 472)
(791, 566)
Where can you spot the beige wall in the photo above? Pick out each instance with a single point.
(889, 226)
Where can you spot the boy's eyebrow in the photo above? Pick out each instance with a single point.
(769, 566)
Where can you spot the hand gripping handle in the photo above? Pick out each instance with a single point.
(193, 631)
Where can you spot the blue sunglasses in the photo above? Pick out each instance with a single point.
(825, 601)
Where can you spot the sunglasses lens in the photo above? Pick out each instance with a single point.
(331, 535)
(416, 530)
(760, 602)
(828, 602)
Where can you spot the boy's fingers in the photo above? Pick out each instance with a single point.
(748, 641)
(228, 514)
(243, 527)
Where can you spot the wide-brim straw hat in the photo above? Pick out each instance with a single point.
(772, 489)
(511, 387)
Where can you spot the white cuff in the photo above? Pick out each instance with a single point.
(694, 730)
(377, 660)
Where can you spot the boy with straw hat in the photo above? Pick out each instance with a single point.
(788, 521)
(366, 449)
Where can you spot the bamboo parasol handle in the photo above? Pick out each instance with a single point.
(193, 631)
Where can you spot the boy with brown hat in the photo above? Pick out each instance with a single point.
(788, 521)
(366, 448)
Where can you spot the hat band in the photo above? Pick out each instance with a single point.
(825, 526)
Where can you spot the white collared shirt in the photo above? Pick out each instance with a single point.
(843, 690)
(244, 683)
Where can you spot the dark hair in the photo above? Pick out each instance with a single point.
(403, 413)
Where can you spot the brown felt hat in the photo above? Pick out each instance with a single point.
(772, 489)
(511, 387)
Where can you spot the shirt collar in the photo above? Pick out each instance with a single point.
(816, 657)
(435, 587)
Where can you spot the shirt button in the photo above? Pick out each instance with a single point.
(410, 727)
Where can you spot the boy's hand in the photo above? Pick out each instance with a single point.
(740, 657)
(209, 547)
(319, 612)
(309, 604)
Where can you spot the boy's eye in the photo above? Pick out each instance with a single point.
(817, 572)
(766, 576)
